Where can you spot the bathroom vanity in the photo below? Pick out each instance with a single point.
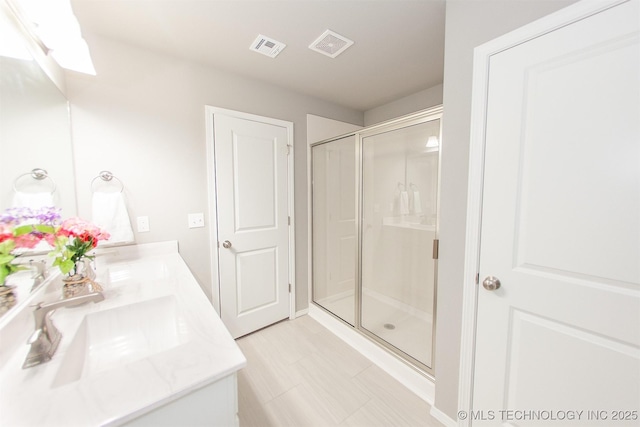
(153, 352)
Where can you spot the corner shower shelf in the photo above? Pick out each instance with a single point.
(393, 221)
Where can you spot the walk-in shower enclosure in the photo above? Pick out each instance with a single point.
(374, 232)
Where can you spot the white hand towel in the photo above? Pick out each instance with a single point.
(110, 213)
(32, 200)
(404, 203)
(417, 203)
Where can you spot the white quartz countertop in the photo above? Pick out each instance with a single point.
(154, 339)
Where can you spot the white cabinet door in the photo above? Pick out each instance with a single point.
(561, 227)
(253, 232)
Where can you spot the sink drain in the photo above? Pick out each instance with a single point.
(389, 326)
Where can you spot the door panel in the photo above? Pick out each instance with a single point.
(597, 153)
(525, 379)
(254, 162)
(252, 204)
(561, 222)
(256, 279)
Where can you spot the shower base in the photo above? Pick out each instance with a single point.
(400, 325)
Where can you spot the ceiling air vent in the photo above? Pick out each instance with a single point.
(330, 44)
(267, 46)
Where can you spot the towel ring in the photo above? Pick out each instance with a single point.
(38, 174)
(106, 176)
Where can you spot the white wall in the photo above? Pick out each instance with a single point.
(320, 128)
(469, 23)
(142, 117)
(401, 107)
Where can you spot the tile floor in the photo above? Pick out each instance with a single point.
(300, 374)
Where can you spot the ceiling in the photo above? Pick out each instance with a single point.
(398, 49)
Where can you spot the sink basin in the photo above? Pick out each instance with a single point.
(122, 335)
(154, 343)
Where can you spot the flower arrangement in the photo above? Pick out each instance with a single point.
(74, 238)
(22, 229)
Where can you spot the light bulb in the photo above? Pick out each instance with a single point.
(432, 142)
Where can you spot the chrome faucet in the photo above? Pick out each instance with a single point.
(44, 341)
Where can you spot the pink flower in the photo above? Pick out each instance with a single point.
(73, 240)
(6, 232)
(50, 239)
(84, 230)
(28, 241)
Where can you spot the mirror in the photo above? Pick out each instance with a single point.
(34, 134)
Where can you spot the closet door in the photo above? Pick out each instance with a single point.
(561, 225)
(252, 199)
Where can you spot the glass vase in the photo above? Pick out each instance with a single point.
(82, 282)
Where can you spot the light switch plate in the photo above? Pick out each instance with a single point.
(196, 220)
(143, 224)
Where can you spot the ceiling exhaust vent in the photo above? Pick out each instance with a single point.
(267, 46)
(331, 44)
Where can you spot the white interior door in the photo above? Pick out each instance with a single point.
(561, 228)
(253, 227)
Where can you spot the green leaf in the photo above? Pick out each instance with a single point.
(7, 269)
(43, 228)
(6, 258)
(66, 266)
(22, 230)
(7, 246)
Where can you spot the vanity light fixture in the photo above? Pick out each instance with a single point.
(432, 142)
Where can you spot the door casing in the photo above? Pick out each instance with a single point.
(210, 113)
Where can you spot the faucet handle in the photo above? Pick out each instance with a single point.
(41, 268)
(40, 273)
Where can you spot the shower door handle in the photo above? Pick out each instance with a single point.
(226, 244)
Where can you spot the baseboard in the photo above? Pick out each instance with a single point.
(302, 312)
(422, 386)
(442, 417)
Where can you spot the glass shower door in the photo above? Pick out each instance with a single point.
(334, 232)
(399, 206)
